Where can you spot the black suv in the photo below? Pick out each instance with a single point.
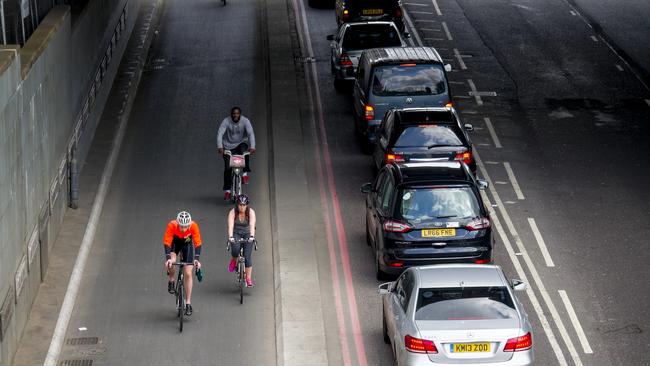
(426, 213)
(423, 135)
(365, 10)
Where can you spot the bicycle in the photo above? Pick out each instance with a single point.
(180, 291)
(237, 165)
(241, 266)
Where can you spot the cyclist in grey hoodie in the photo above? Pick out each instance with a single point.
(235, 134)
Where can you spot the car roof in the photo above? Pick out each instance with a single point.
(402, 55)
(460, 275)
(432, 172)
(374, 22)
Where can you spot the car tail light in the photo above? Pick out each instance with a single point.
(418, 345)
(392, 157)
(482, 261)
(478, 224)
(398, 13)
(393, 226)
(395, 263)
(449, 105)
(346, 14)
(369, 112)
(519, 343)
(345, 60)
(466, 157)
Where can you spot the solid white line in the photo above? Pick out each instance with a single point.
(576, 323)
(619, 67)
(435, 5)
(493, 133)
(414, 31)
(460, 59)
(548, 330)
(573, 13)
(593, 38)
(477, 97)
(541, 243)
(52, 357)
(513, 180)
(531, 267)
(444, 26)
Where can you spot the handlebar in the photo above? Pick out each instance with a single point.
(228, 152)
(183, 264)
(240, 240)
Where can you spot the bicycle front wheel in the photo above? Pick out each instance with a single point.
(181, 304)
(242, 281)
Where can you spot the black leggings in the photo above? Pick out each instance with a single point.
(227, 175)
(248, 251)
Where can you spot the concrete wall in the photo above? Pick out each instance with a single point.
(52, 92)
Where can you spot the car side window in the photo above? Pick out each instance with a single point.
(339, 36)
(407, 285)
(387, 194)
(399, 292)
(379, 181)
(389, 123)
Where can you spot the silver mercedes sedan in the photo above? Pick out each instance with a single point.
(450, 314)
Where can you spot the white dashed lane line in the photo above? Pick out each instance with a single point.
(421, 12)
(493, 133)
(435, 6)
(573, 13)
(541, 243)
(619, 67)
(593, 38)
(414, 32)
(474, 92)
(461, 63)
(415, 4)
(444, 26)
(513, 181)
(586, 348)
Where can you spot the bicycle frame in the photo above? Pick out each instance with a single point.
(237, 165)
(241, 266)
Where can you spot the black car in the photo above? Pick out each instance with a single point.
(426, 213)
(366, 10)
(423, 135)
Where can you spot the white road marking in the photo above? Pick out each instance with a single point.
(619, 67)
(430, 29)
(415, 4)
(593, 38)
(521, 273)
(435, 5)
(460, 59)
(647, 101)
(586, 348)
(493, 133)
(444, 26)
(458, 83)
(425, 21)
(421, 12)
(433, 39)
(533, 271)
(513, 181)
(541, 243)
(573, 13)
(472, 86)
(414, 31)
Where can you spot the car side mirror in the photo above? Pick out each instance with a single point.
(366, 188)
(407, 35)
(518, 285)
(469, 127)
(330, 37)
(482, 184)
(447, 67)
(385, 288)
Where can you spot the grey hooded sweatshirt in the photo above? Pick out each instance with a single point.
(231, 134)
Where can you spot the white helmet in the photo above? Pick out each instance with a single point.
(184, 218)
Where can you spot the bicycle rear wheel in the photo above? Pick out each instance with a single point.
(237, 185)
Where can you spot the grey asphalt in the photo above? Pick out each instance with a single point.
(573, 127)
(205, 59)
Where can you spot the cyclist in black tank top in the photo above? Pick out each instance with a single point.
(241, 225)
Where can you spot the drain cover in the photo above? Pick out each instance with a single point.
(76, 363)
(82, 341)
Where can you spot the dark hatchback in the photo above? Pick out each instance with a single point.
(426, 213)
(423, 135)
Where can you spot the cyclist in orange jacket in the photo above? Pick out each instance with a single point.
(182, 236)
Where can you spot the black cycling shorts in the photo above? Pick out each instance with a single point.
(186, 248)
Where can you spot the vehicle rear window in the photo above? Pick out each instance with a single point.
(428, 135)
(464, 303)
(409, 80)
(363, 37)
(428, 204)
(358, 5)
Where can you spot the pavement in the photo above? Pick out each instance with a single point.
(561, 133)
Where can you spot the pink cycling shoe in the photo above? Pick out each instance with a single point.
(231, 265)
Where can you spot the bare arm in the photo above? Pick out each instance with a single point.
(231, 222)
(253, 219)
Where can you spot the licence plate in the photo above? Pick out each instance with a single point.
(430, 233)
(372, 11)
(469, 347)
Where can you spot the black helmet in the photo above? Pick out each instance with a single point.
(243, 199)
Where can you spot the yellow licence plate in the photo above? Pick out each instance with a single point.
(430, 233)
(470, 347)
(372, 11)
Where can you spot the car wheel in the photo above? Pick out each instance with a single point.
(381, 275)
(385, 328)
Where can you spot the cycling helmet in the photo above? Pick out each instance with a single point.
(184, 218)
(243, 199)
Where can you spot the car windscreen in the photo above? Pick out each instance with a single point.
(465, 303)
(362, 37)
(427, 79)
(430, 204)
(429, 136)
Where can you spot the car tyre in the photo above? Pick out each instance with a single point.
(385, 327)
(381, 275)
(368, 240)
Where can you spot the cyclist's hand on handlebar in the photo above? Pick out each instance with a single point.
(197, 264)
(231, 239)
(252, 150)
(251, 239)
(220, 150)
(168, 263)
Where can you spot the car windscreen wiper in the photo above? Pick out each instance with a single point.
(447, 216)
